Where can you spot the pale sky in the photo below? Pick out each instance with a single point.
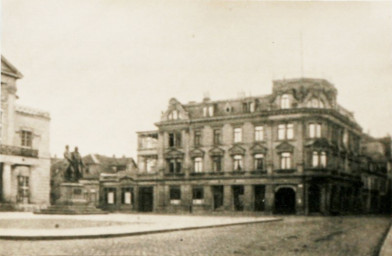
(106, 69)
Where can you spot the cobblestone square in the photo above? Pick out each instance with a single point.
(292, 236)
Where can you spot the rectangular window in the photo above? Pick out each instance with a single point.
(285, 160)
(259, 133)
(285, 131)
(208, 110)
(315, 159)
(314, 130)
(252, 107)
(198, 164)
(175, 139)
(178, 139)
(197, 193)
(259, 162)
(127, 196)
(216, 164)
(217, 135)
(285, 102)
(197, 138)
(110, 195)
(174, 165)
(281, 132)
(175, 193)
(237, 163)
(23, 189)
(237, 135)
(345, 138)
(323, 159)
(26, 139)
(319, 159)
(171, 139)
(290, 131)
(150, 164)
(211, 110)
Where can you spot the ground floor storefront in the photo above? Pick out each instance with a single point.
(298, 195)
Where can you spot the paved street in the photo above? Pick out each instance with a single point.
(293, 236)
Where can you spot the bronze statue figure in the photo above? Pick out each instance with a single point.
(75, 166)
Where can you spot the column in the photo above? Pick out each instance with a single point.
(248, 198)
(7, 188)
(269, 199)
(208, 198)
(186, 196)
(300, 198)
(227, 198)
(323, 199)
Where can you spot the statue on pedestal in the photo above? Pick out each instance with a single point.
(75, 167)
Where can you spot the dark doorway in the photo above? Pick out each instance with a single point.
(146, 199)
(217, 192)
(285, 201)
(259, 198)
(314, 198)
(238, 197)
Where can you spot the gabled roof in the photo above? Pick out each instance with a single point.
(8, 69)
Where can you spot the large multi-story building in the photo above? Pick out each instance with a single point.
(293, 151)
(24, 149)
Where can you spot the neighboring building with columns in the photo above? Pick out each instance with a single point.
(295, 151)
(24, 149)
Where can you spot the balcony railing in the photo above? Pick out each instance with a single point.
(18, 151)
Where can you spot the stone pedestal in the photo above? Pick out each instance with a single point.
(73, 200)
(72, 194)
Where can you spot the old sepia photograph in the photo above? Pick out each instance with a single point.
(171, 127)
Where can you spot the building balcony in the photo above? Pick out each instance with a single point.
(285, 171)
(18, 151)
(174, 174)
(259, 172)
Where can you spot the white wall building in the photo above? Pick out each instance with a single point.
(24, 149)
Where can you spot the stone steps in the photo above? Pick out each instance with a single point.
(7, 207)
(71, 209)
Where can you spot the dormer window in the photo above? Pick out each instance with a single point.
(285, 101)
(249, 106)
(228, 108)
(208, 110)
(174, 115)
(315, 103)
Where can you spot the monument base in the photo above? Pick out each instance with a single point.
(72, 194)
(72, 201)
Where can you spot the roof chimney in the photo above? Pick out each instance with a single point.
(206, 96)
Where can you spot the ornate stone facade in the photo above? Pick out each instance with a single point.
(24, 150)
(294, 151)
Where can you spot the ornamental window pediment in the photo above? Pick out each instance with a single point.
(173, 154)
(259, 149)
(237, 150)
(216, 152)
(284, 147)
(321, 143)
(197, 153)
